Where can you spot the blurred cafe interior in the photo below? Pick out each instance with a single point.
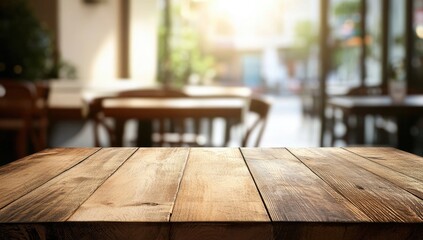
(269, 73)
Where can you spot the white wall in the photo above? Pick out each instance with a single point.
(88, 35)
(89, 39)
(143, 39)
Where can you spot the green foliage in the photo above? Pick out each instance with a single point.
(306, 36)
(25, 50)
(180, 53)
(187, 58)
(347, 8)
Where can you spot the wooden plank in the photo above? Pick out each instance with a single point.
(293, 193)
(85, 230)
(384, 165)
(348, 231)
(226, 230)
(21, 177)
(58, 199)
(397, 160)
(379, 199)
(217, 187)
(142, 190)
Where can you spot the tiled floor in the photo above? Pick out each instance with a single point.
(287, 127)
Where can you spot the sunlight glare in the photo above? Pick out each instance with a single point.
(243, 15)
(419, 31)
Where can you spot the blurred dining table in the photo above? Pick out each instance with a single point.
(383, 105)
(68, 99)
(232, 110)
(213, 193)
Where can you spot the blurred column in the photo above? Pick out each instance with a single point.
(124, 39)
(143, 25)
(323, 68)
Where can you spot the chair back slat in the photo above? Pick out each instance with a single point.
(259, 107)
(23, 109)
(17, 99)
(175, 131)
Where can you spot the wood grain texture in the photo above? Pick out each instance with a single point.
(397, 160)
(142, 190)
(221, 231)
(368, 160)
(57, 199)
(22, 176)
(347, 231)
(217, 187)
(293, 193)
(86, 230)
(214, 193)
(381, 200)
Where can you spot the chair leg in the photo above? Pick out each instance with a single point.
(39, 136)
(43, 138)
(21, 143)
(119, 133)
(228, 127)
(35, 139)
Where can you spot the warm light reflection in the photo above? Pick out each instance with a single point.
(104, 59)
(240, 17)
(246, 17)
(419, 31)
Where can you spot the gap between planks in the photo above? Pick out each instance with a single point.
(179, 187)
(76, 209)
(373, 190)
(50, 179)
(255, 183)
(416, 192)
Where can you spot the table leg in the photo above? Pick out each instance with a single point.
(360, 128)
(119, 130)
(145, 130)
(404, 136)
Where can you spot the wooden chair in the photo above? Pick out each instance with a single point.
(23, 109)
(356, 123)
(153, 93)
(260, 108)
(163, 131)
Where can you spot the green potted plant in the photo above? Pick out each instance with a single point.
(26, 49)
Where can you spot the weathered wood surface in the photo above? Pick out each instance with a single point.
(213, 193)
(347, 231)
(85, 230)
(135, 193)
(217, 188)
(57, 200)
(381, 200)
(221, 231)
(401, 168)
(292, 192)
(21, 177)
(397, 160)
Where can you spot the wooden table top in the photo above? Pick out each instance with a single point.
(149, 108)
(412, 104)
(213, 193)
(67, 100)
